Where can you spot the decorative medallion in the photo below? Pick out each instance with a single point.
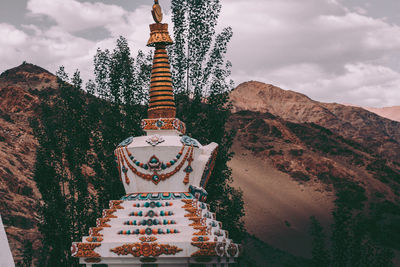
(146, 249)
(155, 140)
(232, 250)
(126, 142)
(220, 249)
(160, 123)
(188, 141)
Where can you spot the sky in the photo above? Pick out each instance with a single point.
(343, 51)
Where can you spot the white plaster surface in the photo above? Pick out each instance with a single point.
(6, 259)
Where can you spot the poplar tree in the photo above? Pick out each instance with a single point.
(198, 54)
(201, 80)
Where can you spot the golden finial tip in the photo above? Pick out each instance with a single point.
(157, 12)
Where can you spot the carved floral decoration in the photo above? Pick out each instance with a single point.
(206, 249)
(155, 140)
(85, 250)
(146, 249)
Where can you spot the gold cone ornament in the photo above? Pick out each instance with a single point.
(162, 103)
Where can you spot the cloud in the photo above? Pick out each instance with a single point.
(311, 45)
(71, 15)
(59, 44)
(323, 48)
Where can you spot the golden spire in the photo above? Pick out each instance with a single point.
(162, 103)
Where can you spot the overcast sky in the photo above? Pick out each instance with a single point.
(344, 51)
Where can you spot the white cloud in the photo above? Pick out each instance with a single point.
(72, 15)
(310, 46)
(323, 48)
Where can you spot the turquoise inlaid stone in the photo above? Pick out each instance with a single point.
(156, 178)
(188, 169)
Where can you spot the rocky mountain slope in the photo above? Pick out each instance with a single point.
(18, 192)
(332, 151)
(360, 125)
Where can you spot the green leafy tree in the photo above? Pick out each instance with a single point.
(351, 242)
(198, 55)
(202, 85)
(320, 254)
(119, 77)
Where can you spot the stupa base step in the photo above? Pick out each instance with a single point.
(165, 262)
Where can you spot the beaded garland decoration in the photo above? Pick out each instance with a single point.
(150, 222)
(157, 196)
(148, 231)
(151, 213)
(154, 165)
(152, 204)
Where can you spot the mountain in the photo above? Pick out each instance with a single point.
(19, 194)
(391, 113)
(381, 135)
(295, 157)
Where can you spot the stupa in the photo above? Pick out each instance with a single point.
(163, 219)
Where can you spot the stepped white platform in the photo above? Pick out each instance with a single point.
(163, 220)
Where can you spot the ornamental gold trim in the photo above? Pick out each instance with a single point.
(146, 250)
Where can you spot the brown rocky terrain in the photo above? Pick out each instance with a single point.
(18, 192)
(357, 124)
(293, 155)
